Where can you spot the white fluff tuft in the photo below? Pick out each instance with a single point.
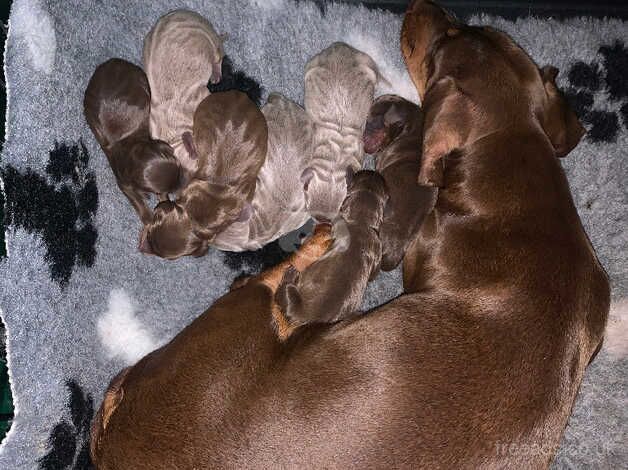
(121, 333)
(31, 21)
(397, 76)
(616, 337)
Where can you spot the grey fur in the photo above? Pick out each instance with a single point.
(339, 86)
(180, 56)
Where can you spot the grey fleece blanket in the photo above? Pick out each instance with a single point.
(79, 300)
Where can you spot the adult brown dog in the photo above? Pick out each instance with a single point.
(478, 367)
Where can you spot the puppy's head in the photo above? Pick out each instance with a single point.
(212, 207)
(476, 80)
(171, 234)
(160, 170)
(366, 199)
(389, 116)
(324, 192)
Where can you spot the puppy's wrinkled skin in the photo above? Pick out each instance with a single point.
(181, 54)
(117, 109)
(230, 139)
(339, 86)
(393, 134)
(278, 205)
(477, 366)
(332, 288)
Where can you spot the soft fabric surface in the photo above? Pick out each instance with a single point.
(79, 300)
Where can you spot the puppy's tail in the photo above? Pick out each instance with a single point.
(113, 397)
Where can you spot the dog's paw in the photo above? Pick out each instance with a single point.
(239, 282)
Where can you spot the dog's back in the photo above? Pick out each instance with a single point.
(339, 86)
(117, 102)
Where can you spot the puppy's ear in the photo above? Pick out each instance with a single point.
(201, 250)
(559, 121)
(145, 246)
(188, 143)
(306, 177)
(350, 175)
(246, 213)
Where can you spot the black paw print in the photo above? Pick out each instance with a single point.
(587, 79)
(66, 438)
(237, 80)
(59, 208)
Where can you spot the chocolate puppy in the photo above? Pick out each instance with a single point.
(279, 202)
(331, 289)
(339, 86)
(181, 54)
(117, 108)
(393, 134)
(230, 139)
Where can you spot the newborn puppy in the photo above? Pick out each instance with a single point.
(279, 202)
(331, 289)
(181, 54)
(393, 134)
(117, 108)
(230, 139)
(339, 86)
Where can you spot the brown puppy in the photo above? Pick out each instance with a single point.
(332, 288)
(478, 367)
(393, 134)
(117, 109)
(230, 139)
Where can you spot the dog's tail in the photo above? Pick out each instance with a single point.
(113, 397)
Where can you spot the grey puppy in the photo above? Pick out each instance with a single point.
(331, 289)
(278, 205)
(339, 86)
(393, 134)
(181, 54)
(117, 108)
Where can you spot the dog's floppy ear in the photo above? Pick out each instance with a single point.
(190, 146)
(306, 177)
(145, 246)
(559, 121)
(448, 121)
(349, 176)
(245, 213)
(201, 250)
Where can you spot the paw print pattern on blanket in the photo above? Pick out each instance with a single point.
(59, 207)
(69, 442)
(586, 80)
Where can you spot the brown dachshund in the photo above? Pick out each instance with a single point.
(117, 109)
(332, 288)
(477, 366)
(393, 134)
(230, 141)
